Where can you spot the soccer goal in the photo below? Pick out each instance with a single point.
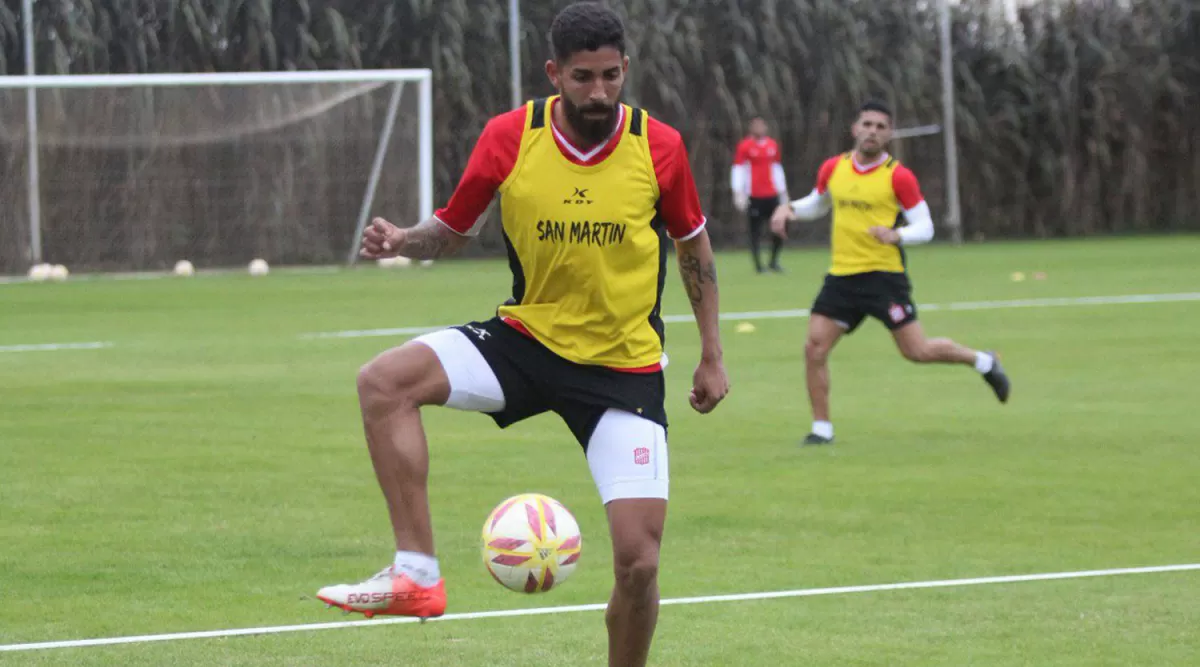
(135, 172)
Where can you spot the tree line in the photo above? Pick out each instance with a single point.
(1076, 119)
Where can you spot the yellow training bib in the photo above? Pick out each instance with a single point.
(586, 248)
(862, 201)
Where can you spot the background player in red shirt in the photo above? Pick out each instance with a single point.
(759, 185)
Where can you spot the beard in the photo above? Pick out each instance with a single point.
(591, 129)
(872, 151)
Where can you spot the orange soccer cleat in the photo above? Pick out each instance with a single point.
(388, 594)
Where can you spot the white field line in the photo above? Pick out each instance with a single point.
(803, 312)
(158, 275)
(741, 597)
(45, 347)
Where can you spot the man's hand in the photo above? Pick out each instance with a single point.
(381, 239)
(885, 235)
(779, 220)
(710, 384)
(741, 202)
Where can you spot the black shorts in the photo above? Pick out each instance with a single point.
(760, 209)
(536, 380)
(886, 296)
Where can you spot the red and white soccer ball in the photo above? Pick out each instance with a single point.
(531, 543)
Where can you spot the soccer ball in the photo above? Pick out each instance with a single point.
(258, 267)
(59, 273)
(391, 262)
(531, 543)
(184, 268)
(39, 272)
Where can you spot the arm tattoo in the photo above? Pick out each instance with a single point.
(429, 240)
(695, 275)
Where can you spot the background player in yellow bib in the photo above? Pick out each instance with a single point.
(591, 192)
(877, 210)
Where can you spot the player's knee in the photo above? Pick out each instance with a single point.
(388, 382)
(376, 386)
(918, 354)
(635, 558)
(816, 351)
(636, 569)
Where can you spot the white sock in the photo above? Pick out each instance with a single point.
(983, 362)
(823, 429)
(421, 568)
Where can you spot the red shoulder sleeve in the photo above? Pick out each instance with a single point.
(740, 156)
(490, 163)
(825, 173)
(908, 191)
(678, 202)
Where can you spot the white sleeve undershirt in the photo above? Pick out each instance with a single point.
(920, 225)
(815, 205)
(779, 180)
(739, 178)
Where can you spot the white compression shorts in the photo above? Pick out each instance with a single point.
(627, 453)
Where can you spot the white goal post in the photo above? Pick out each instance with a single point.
(147, 120)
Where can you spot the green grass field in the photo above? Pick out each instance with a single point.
(207, 472)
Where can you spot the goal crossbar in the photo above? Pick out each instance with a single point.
(213, 78)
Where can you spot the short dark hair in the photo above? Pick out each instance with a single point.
(875, 105)
(585, 26)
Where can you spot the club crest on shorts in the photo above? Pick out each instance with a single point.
(641, 456)
(896, 312)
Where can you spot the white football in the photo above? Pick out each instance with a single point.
(39, 272)
(184, 268)
(531, 543)
(59, 273)
(258, 267)
(390, 262)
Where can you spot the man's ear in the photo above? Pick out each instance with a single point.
(552, 73)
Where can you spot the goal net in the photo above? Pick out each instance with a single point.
(133, 173)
